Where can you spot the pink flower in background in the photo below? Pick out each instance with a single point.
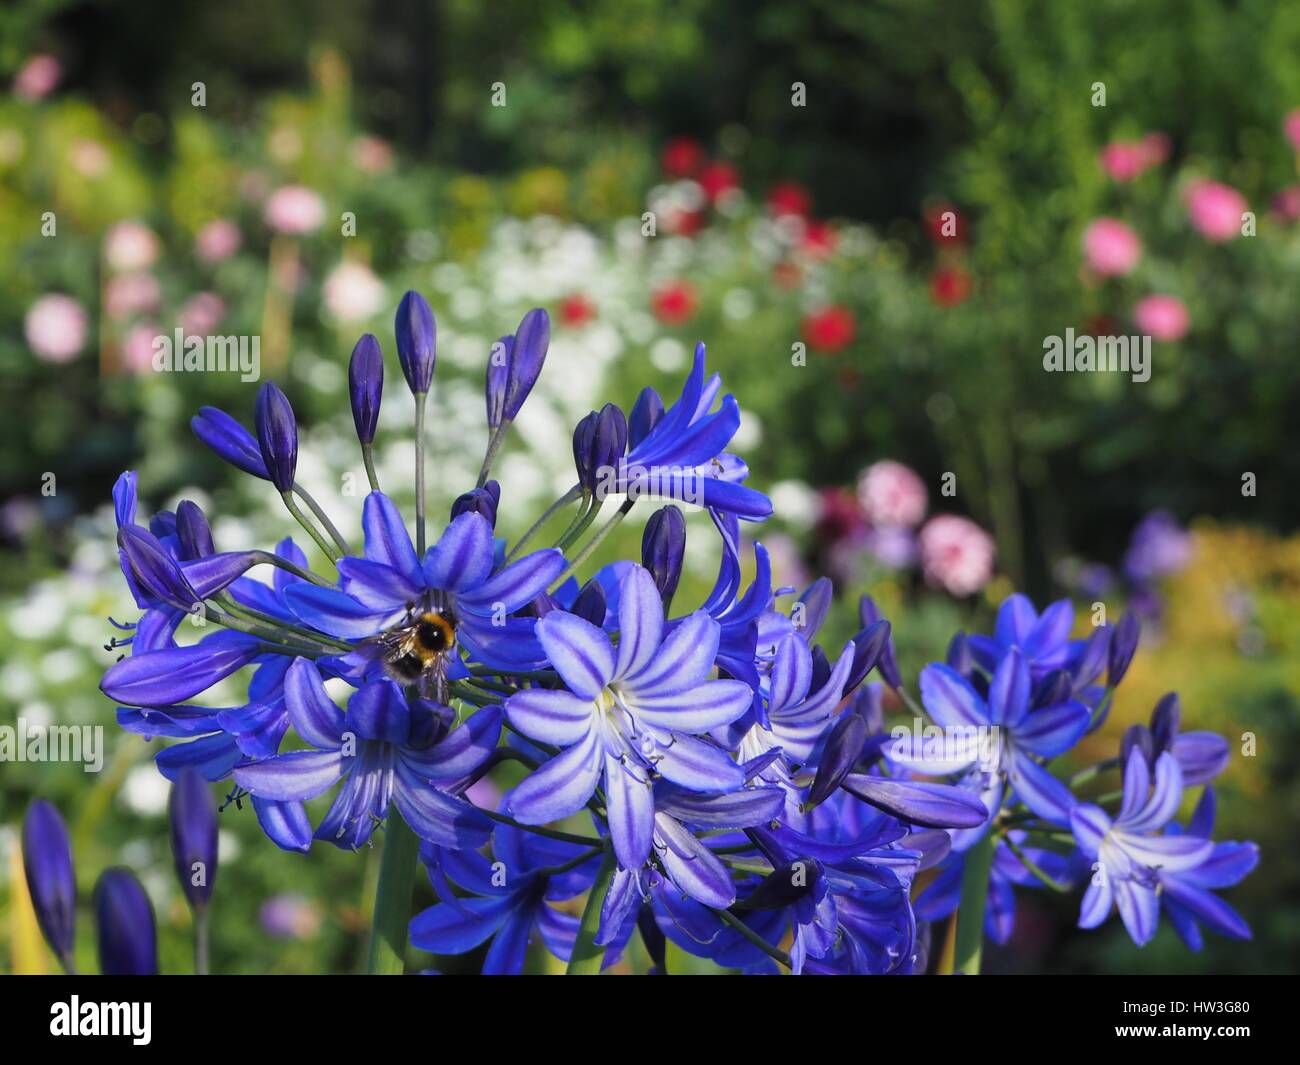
(294, 209)
(956, 554)
(1161, 317)
(1287, 203)
(130, 246)
(217, 241)
(892, 494)
(137, 347)
(1215, 209)
(38, 77)
(1124, 160)
(371, 154)
(55, 328)
(1291, 126)
(202, 313)
(128, 294)
(1156, 146)
(1110, 248)
(89, 158)
(353, 293)
(289, 917)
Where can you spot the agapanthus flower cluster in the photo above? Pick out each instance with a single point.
(707, 773)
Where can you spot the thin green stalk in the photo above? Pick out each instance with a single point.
(494, 445)
(330, 552)
(1085, 775)
(1033, 868)
(539, 830)
(594, 543)
(581, 522)
(284, 564)
(420, 398)
(775, 953)
(201, 942)
(586, 957)
(970, 911)
(393, 898)
(323, 518)
(570, 496)
(909, 701)
(368, 457)
(276, 625)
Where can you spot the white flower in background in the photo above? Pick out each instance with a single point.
(130, 246)
(353, 293)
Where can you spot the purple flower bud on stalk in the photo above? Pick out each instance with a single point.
(366, 386)
(528, 352)
(157, 575)
(47, 860)
(843, 748)
(417, 341)
(128, 939)
(783, 887)
(1165, 721)
(1139, 737)
(498, 377)
(959, 656)
(1093, 659)
(591, 604)
(224, 435)
(599, 442)
(193, 816)
(483, 501)
(868, 646)
(1052, 689)
(1123, 645)
(277, 435)
(663, 547)
(646, 412)
(868, 614)
(193, 531)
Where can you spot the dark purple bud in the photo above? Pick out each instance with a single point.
(663, 547)
(646, 412)
(1137, 736)
(230, 440)
(277, 435)
(163, 524)
(193, 816)
(157, 575)
(652, 936)
(47, 860)
(417, 341)
(1165, 721)
(959, 657)
(483, 501)
(599, 442)
(868, 705)
(366, 386)
(193, 532)
(1093, 659)
(821, 669)
(532, 338)
(591, 604)
(813, 606)
(1052, 689)
(868, 614)
(868, 646)
(783, 887)
(128, 938)
(498, 377)
(1123, 645)
(843, 748)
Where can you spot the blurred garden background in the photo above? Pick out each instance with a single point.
(872, 213)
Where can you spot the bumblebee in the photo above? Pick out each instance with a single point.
(417, 651)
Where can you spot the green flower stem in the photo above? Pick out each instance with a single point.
(581, 522)
(775, 953)
(539, 830)
(591, 545)
(202, 942)
(494, 445)
(275, 639)
(571, 496)
(420, 399)
(283, 563)
(909, 701)
(586, 957)
(970, 911)
(393, 898)
(1029, 864)
(277, 626)
(330, 552)
(323, 518)
(1085, 775)
(368, 457)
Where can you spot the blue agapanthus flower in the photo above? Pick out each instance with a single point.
(710, 777)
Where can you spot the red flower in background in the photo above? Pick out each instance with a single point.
(945, 224)
(674, 302)
(819, 240)
(682, 157)
(789, 197)
(577, 310)
(787, 275)
(830, 329)
(685, 223)
(949, 286)
(717, 179)
(838, 515)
